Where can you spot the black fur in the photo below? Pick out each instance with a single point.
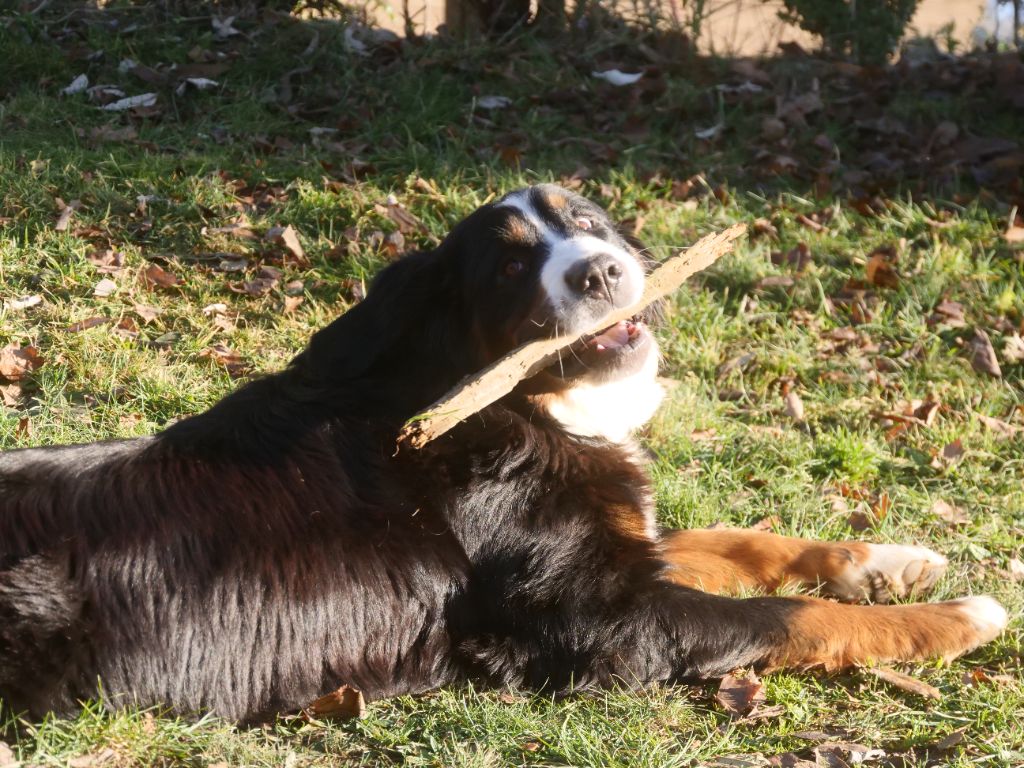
(256, 556)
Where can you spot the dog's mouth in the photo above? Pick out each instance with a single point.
(614, 352)
(622, 334)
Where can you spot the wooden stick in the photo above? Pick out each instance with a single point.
(476, 392)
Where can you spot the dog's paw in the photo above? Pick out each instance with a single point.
(881, 573)
(986, 615)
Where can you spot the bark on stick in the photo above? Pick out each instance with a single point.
(476, 392)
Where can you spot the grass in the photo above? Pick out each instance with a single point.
(723, 450)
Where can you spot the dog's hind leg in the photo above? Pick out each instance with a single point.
(40, 635)
(728, 561)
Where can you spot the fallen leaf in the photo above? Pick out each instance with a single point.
(950, 513)
(617, 77)
(950, 740)
(239, 228)
(1016, 569)
(881, 272)
(147, 313)
(77, 85)
(395, 211)
(17, 362)
(104, 288)
(531, 746)
(17, 305)
(218, 308)
(794, 406)
(998, 426)
(94, 759)
(949, 313)
(904, 682)
(131, 102)
(983, 356)
(739, 695)
(949, 455)
(107, 261)
(156, 276)
(234, 363)
(89, 322)
(769, 523)
(291, 303)
(289, 239)
(10, 395)
(66, 212)
(343, 704)
(1013, 349)
(494, 102)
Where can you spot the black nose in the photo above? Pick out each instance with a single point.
(596, 276)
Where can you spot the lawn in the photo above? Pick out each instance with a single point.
(855, 369)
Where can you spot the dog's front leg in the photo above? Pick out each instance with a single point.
(714, 634)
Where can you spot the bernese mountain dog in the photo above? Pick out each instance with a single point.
(254, 557)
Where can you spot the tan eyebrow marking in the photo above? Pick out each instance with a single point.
(556, 201)
(518, 231)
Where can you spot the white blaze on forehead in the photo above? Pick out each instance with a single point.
(520, 201)
(565, 251)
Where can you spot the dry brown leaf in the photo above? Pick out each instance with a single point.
(17, 362)
(240, 228)
(234, 363)
(10, 395)
(407, 223)
(147, 313)
(67, 210)
(531, 746)
(93, 759)
(89, 322)
(1016, 569)
(156, 276)
(739, 695)
(288, 238)
(26, 302)
(107, 261)
(904, 682)
(794, 406)
(951, 740)
(104, 288)
(769, 523)
(291, 303)
(983, 356)
(343, 704)
(881, 272)
(952, 514)
(950, 454)
(948, 313)
(998, 426)
(1013, 349)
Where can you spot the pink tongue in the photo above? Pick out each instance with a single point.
(616, 336)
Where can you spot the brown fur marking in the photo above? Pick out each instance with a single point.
(828, 635)
(729, 561)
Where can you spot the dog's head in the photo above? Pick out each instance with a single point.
(545, 262)
(539, 262)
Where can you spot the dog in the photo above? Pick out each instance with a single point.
(249, 559)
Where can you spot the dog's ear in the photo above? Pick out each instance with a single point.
(408, 327)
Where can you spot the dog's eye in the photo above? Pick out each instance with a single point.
(584, 223)
(513, 267)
